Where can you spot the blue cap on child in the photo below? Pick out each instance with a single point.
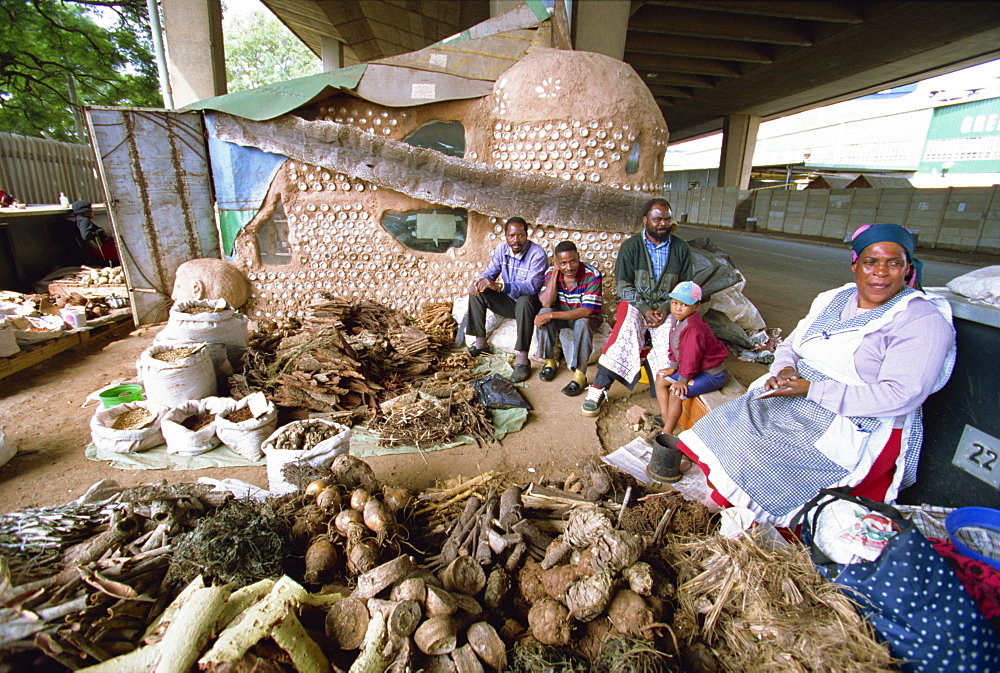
(687, 292)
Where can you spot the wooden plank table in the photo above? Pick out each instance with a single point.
(64, 288)
(107, 328)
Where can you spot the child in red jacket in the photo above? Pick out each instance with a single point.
(689, 361)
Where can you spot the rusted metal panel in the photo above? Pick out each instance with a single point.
(159, 195)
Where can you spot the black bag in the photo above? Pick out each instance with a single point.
(909, 595)
(496, 392)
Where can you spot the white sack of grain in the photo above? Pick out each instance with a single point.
(37, 329)
(246, 437)
(219, 325)
(184, 442)
(107, 438)
(8, 339)
(171, 384)
(7, 448)
(294, 442)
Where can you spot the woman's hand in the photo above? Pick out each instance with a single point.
(787, 383)
(781, 378)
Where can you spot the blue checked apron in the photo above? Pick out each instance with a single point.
(774, 455)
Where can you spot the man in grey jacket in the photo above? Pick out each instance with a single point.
(649, 265)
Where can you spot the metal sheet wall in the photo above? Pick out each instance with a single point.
(36, 170)
(957, 218)
(159, 194)
(716, 206)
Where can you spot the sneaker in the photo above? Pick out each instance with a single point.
(595, 398)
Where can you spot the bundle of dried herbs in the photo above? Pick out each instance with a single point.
(243, 541)
(420, 419)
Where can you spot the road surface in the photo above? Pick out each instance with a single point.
(784, 276)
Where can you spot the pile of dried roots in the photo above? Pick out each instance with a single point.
(750, 600)
(348, 360)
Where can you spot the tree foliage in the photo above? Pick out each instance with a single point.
(260, 50)
(49, 48)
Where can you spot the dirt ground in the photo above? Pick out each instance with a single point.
(42, 410)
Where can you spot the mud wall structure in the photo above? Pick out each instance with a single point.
(571, 141)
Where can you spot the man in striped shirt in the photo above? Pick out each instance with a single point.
(571, 300)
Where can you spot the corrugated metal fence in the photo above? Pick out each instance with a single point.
(719, 206)
(36, 170)
(954, 218)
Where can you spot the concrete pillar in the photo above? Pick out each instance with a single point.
(333, 53)
(600, 26)
(196, 57)
(739, 137)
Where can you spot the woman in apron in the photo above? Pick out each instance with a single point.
(843, 395)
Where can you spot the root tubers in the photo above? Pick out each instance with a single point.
(438, 635)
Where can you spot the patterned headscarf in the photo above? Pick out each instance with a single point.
(892, 233)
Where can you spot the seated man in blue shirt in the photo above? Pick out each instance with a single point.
(509, 287)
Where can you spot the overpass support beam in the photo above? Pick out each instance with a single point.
(739, 137)
(196, 57)
(498, 7)
(333, 53)
(600, 26)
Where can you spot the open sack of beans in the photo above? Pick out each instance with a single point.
(190, 428)
(30, 330)
(130, 427)
(246, 425)
(208, 321)
(173, 374)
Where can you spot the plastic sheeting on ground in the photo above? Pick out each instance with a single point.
(157, 458)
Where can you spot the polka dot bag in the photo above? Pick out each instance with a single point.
(909, 595)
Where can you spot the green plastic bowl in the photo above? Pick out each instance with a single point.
(120, 394)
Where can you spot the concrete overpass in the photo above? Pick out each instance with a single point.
(722, 65)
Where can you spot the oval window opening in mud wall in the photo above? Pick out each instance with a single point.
(445, 137)
(632, 164)
(272, 238)
(433, 230)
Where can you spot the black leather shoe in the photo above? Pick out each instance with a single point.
(547, 374)
(572, 389)
(521, 373)
(476, 352)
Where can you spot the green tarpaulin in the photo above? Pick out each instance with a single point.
(273, 100)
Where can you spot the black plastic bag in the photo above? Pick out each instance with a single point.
(496, 392)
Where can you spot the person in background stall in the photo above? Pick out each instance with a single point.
(509, 287)
(98, 245)
(571, 300)
(840, 406)
(8, 200)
